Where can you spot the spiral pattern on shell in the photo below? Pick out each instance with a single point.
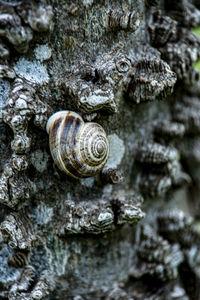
(79, 149)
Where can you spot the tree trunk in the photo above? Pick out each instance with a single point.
(109, 209)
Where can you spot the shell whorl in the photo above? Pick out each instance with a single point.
(79, 149)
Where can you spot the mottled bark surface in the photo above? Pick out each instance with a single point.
(132, 230)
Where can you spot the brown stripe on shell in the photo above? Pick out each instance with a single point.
(68, 135)
(74, 147)
(53, 139)
(75, 165)
(67, 125)
(54, 129)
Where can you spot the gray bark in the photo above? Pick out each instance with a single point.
(131, 230)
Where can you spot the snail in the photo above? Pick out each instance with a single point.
(79, 149)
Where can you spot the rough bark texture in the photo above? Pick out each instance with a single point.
(132, 230)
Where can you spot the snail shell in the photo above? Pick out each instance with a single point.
(79, 149)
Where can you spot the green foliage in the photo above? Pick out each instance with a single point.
(196, 30)
(196, 65)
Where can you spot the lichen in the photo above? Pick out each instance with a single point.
(4, 92)
(39, 160)
(32, 71)
(115, 157)
(42, 52)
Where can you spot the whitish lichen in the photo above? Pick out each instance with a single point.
(4, 92)
(115, 157)
(39, 160)
(32, 71)
(88, 182)
(42, 52)
(43, 214)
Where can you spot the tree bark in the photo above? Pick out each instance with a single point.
(129, 227)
